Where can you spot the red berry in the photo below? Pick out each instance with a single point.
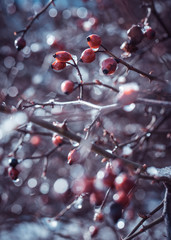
(35, 140)
(123, 182)
(109, 66)
(94, 41)
(20, 43)
(149, 33)
(13, 173)
(93, 230)
(56, 65)
(88, 56)
(135, 34)
(107, 177)
(62, 56)
(73, 156)
(83, 185)
(67, 87)
(57, 140)
(96, 198)
(121, 198)
(98, 216)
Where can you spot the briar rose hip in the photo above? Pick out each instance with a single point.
(122, 198)
(57, 140)
(88, 56)
(20, 43)
(56, 65)
(109, 66)
(94, 41)
(62, 56)
(123, 183)
(67, 87)
(13, 173)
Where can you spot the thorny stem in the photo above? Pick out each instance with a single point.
(98, 83)
(74, 137)
(33, 18)
(143, 220)
(130, 67)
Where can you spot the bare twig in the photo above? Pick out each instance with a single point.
(33, 18)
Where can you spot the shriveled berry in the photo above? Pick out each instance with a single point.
(88, 56)
(57, 140)
(115, 211)
(13, 162)
(121, 198)
(109, 66)
(150, 33)
(128, 47)
(73, 156)
(123, 182)
(94, 41)
(20, 43)
(67, 87)
(62, 56)
(56, 65)
(135, 34)
(13, 173)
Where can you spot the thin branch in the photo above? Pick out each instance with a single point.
(130, 67)
(144, 219)
(154, 102)
(66, 133)
(33, 18)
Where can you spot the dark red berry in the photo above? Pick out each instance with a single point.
(13, 162)
(96, 198)
(135, 34)
(83, 185)
(13, 173)
(109, 66)
(122, 198)
(98, 216)
(20, 43)
(123, 182)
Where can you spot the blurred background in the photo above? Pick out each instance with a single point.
(26, 76)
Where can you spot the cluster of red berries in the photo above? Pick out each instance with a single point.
(113, 176)
(135, 35)
(108, 66)
(13, 172)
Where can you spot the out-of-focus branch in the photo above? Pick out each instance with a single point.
(33, 18)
